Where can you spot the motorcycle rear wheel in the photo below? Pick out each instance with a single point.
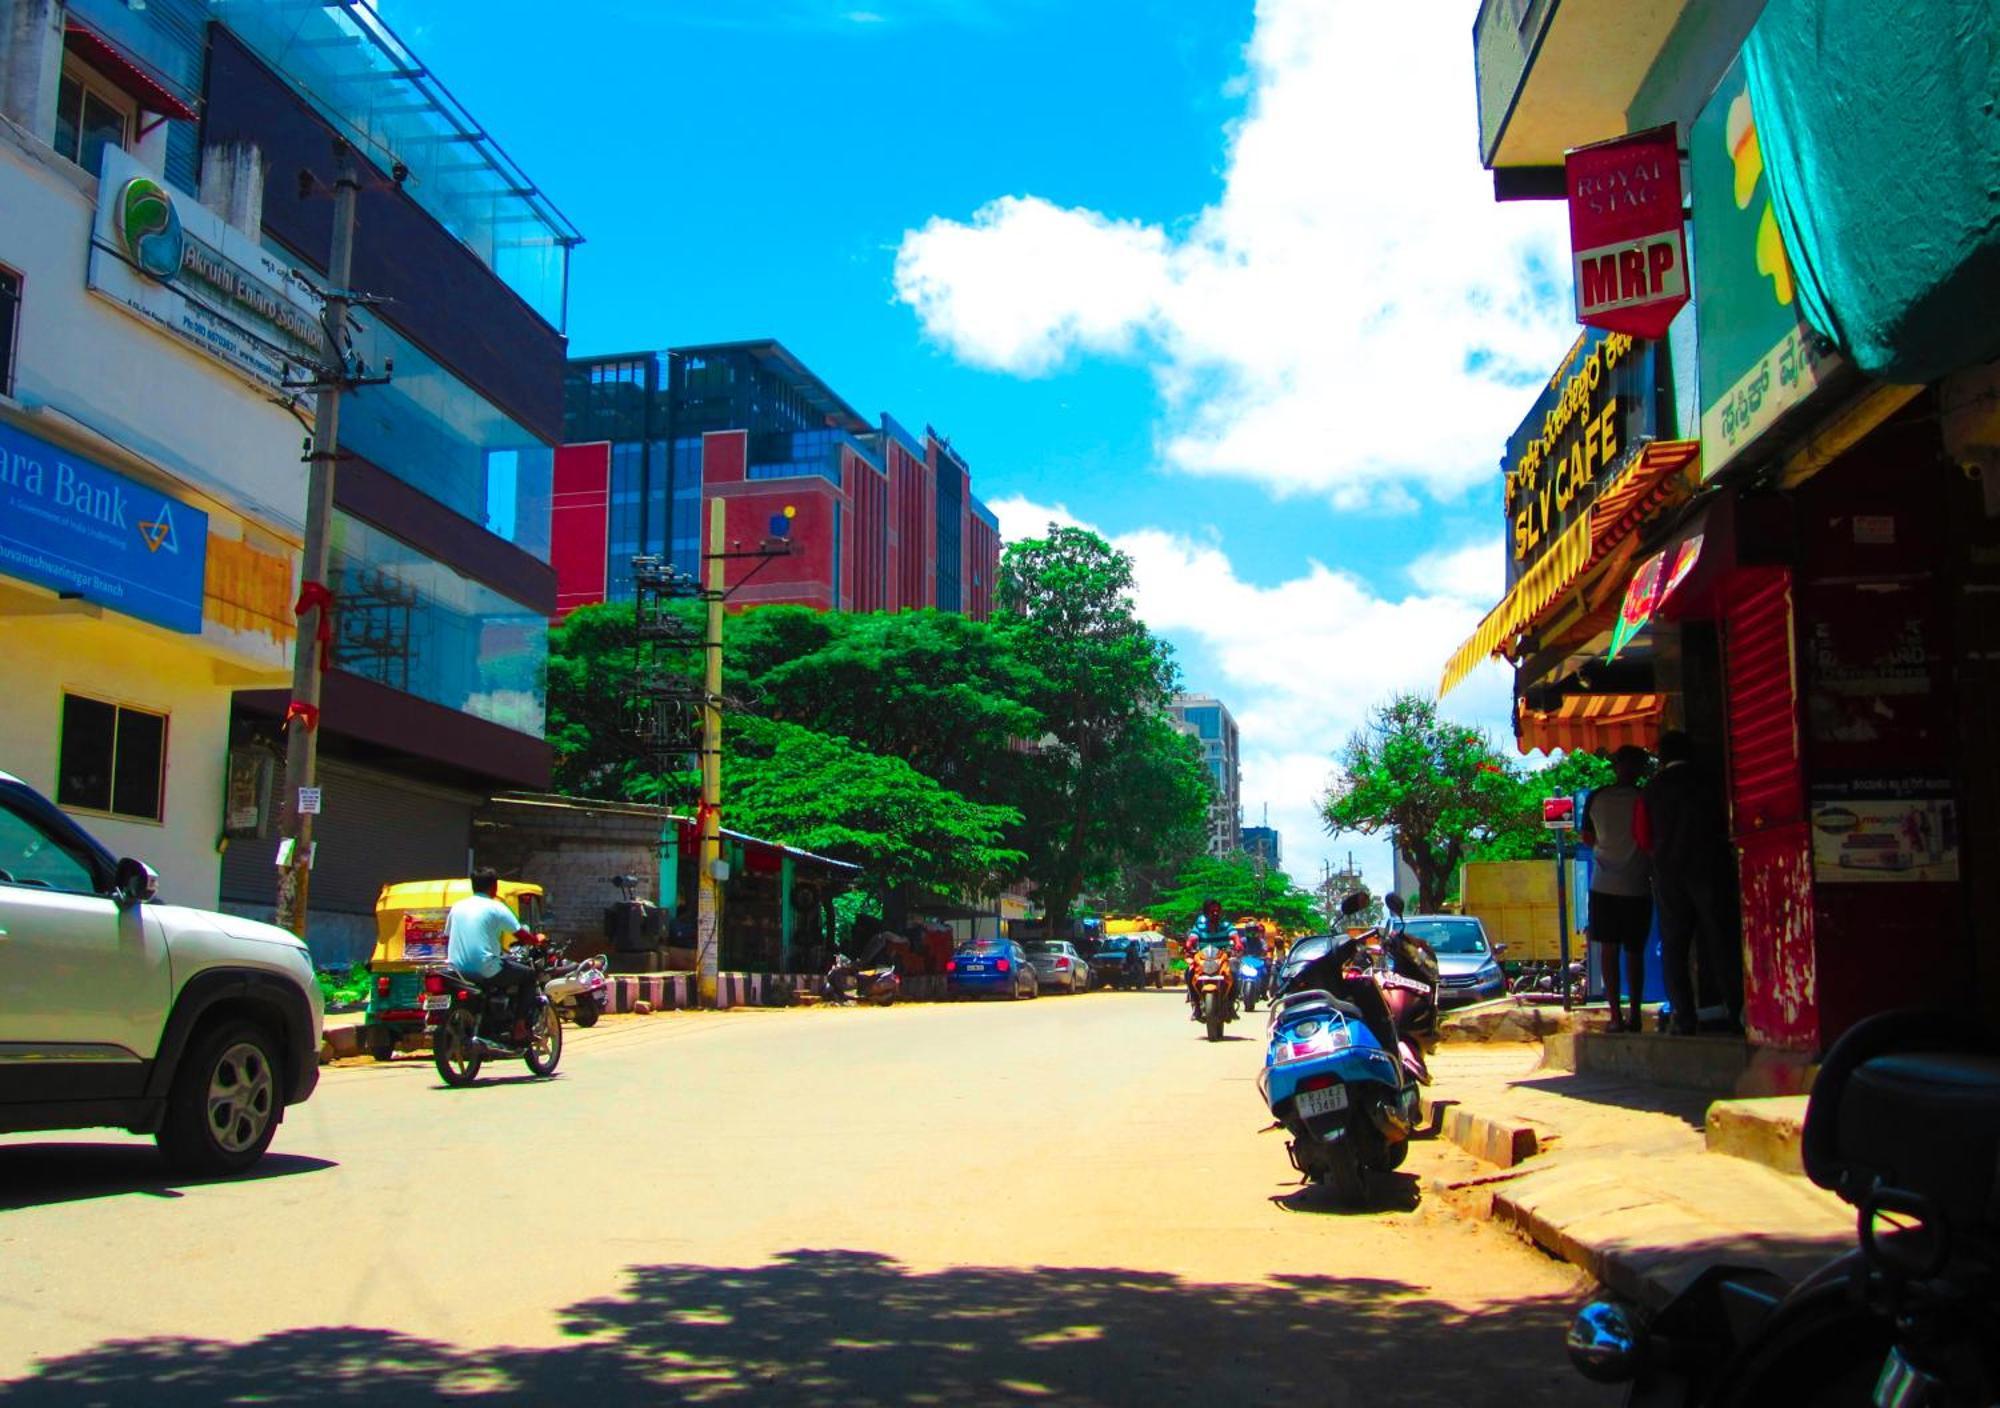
(1211, 1013)
(455, 1048)
(545, 1041)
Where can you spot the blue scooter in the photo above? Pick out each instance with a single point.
(1252, 976)
(1346, 1100)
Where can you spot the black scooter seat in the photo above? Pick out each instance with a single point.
(1927, 1122)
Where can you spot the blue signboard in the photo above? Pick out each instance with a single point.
(87, 531)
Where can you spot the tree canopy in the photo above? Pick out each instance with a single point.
(1245, 890)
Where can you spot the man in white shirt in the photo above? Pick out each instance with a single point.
(476, 932)
(1621, 882)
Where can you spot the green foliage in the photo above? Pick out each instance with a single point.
(1110, 784)
(1518, 833)
(345, 991)
(1439, 786)
(826, 795)
(1243, 892)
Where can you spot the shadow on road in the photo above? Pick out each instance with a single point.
(1387, 1192)
(842, 1327)
(40, 1175)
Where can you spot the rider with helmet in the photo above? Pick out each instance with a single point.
(1210, 930)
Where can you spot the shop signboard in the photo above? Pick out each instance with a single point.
(1628, 251)
(90, 532)
(164, 257)
(1757, 358)
(1597, 412)
(1876, 830)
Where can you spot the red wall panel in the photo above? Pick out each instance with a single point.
(579, 524)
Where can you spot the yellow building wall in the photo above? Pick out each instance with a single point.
(48, 655)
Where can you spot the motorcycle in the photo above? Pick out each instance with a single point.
(880, 986)
(1349, 1102)
(578, 989)
(468, 1024)
(1251, 974)
(1904, 1125)
(1409, 980)
(1212, 982)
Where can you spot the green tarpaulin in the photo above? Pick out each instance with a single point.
(1880, 129)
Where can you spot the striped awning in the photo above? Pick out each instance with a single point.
(1591, 723)
(1626, 502)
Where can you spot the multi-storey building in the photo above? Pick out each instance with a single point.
(1262, 843)
(883, 519)
(136, 143)
(1208, 721)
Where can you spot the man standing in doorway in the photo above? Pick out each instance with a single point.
(1621, 888)
(1681, 825)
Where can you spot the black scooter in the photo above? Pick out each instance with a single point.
(1904, 1124)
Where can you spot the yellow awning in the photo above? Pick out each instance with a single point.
(1618, 510)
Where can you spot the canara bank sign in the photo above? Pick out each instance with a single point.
(77, 528)
(1597, 411)
(167, 259)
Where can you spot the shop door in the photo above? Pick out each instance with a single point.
(1767, 809)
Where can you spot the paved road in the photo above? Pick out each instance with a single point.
(1063, 1200)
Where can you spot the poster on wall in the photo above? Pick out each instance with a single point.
(1872, 830)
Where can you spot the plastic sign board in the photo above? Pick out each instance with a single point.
(85, 531)
(1559, 813)
(1628, 250)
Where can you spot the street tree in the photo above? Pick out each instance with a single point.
(1440, 787)
(1246, 889)
(1100, 682)
(825, 794)
(1518, 833)
(592, 653)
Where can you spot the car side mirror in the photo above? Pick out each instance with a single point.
(1499, 949)
(134, 882)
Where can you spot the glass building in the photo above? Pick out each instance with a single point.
(1208, 721)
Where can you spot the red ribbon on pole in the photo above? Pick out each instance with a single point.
(305, 713)
(315, 595)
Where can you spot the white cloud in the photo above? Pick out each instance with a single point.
(1300, 663)
(1355, 315)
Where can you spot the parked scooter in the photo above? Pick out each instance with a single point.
(1904, 1123)
(880, 986)
(1408, 978)
(578, 989)
(1331, 1079)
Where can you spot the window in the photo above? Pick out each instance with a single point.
(29, 855)
(113, 759)
(10, 321)
(90, 116)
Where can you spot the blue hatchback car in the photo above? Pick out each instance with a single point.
(991, 968)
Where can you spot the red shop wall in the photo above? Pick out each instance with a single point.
(579, 524)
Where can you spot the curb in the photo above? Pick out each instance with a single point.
(1770, 1132)
(1501, 1142)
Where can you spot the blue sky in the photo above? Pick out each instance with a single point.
(1223, 281)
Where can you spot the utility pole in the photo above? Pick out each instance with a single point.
(315, 605)
(708, 894)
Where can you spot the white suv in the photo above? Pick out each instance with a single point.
(196, 1028)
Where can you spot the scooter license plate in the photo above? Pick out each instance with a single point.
(1331, 1101)
(437, 1001)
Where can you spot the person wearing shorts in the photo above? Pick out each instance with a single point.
(1621, 883)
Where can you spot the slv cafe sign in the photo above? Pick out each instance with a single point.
(1596, 413)
(1627, 249)
(164, 257)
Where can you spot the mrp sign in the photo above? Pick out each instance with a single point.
(86, 531)
(1626, 246)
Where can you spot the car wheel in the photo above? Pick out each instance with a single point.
(225, 1102)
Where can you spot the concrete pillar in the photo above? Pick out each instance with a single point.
(232, 185)
(31, 55)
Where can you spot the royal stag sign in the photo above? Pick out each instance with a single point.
(1627, 247)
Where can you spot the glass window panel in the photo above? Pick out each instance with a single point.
(410, 622)
(431, 430)
(31, 856)
(139, 764)
(103, 126)
(89, 739)
(69, 118)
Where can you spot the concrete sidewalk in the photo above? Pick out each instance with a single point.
(1616, 1176)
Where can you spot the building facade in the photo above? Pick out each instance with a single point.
(440, 535)
(882, 519)
(1795, 569)
(1208, 721)
(1262, 843)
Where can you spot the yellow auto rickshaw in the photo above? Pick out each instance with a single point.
(410, 937)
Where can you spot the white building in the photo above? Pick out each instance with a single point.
(151, 485)
(1208, 721)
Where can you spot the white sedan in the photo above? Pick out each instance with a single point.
(1059, 966)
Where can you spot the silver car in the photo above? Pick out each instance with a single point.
(1059, 966)
(1468, 968)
